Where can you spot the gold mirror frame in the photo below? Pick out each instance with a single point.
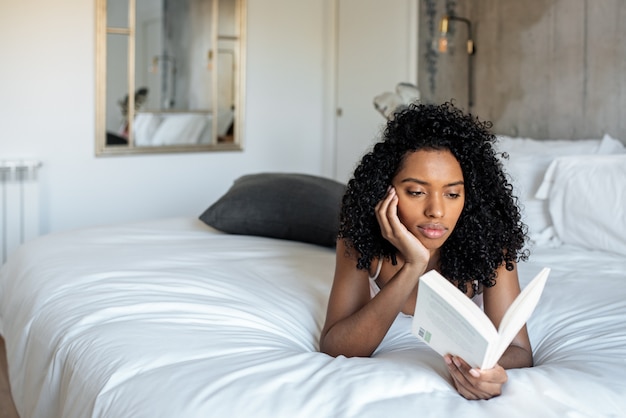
(236, 54)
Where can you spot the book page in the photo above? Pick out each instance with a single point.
(517, 315)
(451, 323)
(445, 327)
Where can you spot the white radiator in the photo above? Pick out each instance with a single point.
(19, 204)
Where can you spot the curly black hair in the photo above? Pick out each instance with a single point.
(489, 231)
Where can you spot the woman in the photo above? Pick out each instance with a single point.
(430, 195)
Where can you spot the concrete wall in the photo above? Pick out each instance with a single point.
(542, 68)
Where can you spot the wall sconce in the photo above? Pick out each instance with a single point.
(164, 60)
(444, 45)
(168, 69)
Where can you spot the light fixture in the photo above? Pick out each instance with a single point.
(444, 45)
(388, 103)
(168, 69)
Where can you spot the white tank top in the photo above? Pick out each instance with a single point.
(374, 288)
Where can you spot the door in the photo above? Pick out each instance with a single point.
(376, 49)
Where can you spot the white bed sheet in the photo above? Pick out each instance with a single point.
(171, 318)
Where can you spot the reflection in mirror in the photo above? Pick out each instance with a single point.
(169, 75)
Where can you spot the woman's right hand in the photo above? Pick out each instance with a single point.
(394, 231)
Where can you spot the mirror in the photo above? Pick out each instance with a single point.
(169, 75)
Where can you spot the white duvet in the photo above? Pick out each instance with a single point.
(174, 319)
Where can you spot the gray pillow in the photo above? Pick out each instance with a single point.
(297, 207)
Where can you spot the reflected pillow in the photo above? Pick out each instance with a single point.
(146, 125)
(298, 207)
(179, 129)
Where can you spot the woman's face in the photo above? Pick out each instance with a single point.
(431, 195)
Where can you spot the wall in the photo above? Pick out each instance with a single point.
(369, 63)
(543, 68)
(47, 80)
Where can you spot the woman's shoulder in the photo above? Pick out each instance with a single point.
(347, 259)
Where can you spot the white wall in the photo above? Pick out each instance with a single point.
(376, 49)
(47, 83)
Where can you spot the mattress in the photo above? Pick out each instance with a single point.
(171, 318)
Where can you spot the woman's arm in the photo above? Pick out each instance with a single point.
(355, 322)
(497, 300)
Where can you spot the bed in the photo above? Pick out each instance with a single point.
(221, 315)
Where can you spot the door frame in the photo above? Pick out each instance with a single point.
(330, 105)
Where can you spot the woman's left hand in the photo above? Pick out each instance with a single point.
(475, 383)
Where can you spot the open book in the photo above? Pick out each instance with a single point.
(451, 323)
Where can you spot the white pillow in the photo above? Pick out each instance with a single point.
(548, 147)
(146, 124)
(586, 196)
(611, 145)
(527, 163)
(180, 128)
